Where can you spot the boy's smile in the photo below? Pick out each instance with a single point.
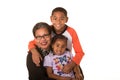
(58, 20)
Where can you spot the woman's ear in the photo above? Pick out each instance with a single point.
(36, 40)
(51, 18)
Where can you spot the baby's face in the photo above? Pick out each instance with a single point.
(59, 47)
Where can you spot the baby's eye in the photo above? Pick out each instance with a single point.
(57, 45)
(62, 19)
(54, 18)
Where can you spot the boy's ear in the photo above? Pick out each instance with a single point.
(66, 19)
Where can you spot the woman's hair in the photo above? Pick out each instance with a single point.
(59, 9)
(41, 25)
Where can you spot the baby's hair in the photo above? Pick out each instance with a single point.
(56, 37)
(59, 9)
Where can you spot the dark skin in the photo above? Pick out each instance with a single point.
(78, 75)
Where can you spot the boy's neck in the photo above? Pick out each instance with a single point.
(60, 32)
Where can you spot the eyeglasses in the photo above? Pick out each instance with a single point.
(45, 36)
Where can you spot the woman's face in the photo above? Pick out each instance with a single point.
(43, 38)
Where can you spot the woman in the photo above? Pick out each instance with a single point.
(42, 35)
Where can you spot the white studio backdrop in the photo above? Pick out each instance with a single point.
(97, 23)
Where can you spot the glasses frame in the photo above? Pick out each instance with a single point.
(45, 36)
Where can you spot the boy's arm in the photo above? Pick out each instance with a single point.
(77, 48)
(36, 57)
(69, 67)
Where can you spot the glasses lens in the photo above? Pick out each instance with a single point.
(44, 36)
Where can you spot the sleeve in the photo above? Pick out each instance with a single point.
(31, 44)
(47, 61)
(77, 47)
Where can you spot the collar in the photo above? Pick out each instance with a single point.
(61, 32)
(42, 52)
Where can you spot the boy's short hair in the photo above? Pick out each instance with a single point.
(59, 9)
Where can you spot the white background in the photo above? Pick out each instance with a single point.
(97, 23)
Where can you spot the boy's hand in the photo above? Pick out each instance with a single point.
(36, 57)
(69, 67)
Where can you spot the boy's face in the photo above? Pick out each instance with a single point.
(59, 46)
(58, 20)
